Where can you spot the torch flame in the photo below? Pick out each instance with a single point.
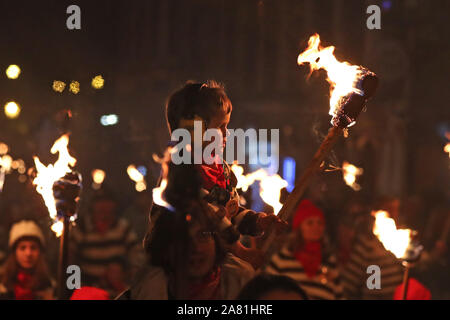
(342, 76)
(47, 175)
(393, 239)
(158, 191)
(350, 173)
(270, 185)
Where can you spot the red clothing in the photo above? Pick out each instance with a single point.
(310, 256)
(22, 290)
(212, 174)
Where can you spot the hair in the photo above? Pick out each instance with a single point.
(262, 284)
(194, 98)
(41, 277)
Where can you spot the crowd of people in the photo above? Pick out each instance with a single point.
(203, 245)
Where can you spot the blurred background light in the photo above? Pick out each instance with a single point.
(13, 71)
(12, 110)
(109, 119)
(58, 86)
(98, 82)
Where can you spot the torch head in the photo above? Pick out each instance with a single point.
(67, 193)
(353, 103)
(414, 250)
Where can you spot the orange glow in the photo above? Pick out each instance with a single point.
(393, 239)
(342, 76)
(270, 185)
(350, 173)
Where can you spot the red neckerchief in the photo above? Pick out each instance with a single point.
(22, 290)
(212, 174)
(310, 256)
(211, 282)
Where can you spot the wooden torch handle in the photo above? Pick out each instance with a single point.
(296, 195)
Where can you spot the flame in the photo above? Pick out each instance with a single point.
(447, 148)
(350, 173)
(57, 227)
(158, 191)
(342, 76)
(270, 185)
(393, 239)
(47, 175)
(137, 177)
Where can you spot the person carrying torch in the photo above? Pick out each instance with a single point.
(60, 188)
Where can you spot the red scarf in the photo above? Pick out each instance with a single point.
(22, 290)
(212, 174)
(210, 283)
(310, 256)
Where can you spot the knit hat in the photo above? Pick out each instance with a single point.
(416, 291)
(25, 228)
(305, 210)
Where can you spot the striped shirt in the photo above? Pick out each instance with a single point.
(368, 250)
(96, 251)
(323, 286)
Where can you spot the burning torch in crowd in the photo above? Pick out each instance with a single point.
(350, 88)
(401, 242)
(60, 188)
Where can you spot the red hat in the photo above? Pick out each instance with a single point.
(306, 209)
(89, 293)
(416, 291)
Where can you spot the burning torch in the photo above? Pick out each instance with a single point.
(60, 187)
(350, 88)
(402, 243)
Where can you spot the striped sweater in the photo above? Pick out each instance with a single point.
(324, 286)
(96, 251)
(368, 250)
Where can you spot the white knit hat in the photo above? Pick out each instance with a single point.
(25, 228)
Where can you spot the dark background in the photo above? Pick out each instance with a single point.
(146, 49)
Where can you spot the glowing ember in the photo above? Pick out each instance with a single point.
(350, 173)
(47, 175)
(58, 86)
(137, 177)
(342, 76)
(270, 185)
(393, 239)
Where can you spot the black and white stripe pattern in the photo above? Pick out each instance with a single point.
(368, 250)
(324, 286)
(96, 252)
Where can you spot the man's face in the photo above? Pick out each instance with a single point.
(312, 229)
(202, 252)
(27, 253)
(220, 121)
